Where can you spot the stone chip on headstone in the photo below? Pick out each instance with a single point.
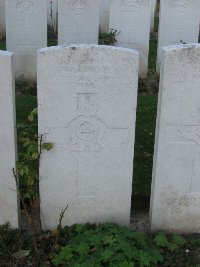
(87, 108)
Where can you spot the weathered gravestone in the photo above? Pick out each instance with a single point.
(175, 203)
(8, 191)
(179, 23)
(87, 104)
(104, 15)
(2, 19)
(78, 21)
(26, 32)
(131, 18)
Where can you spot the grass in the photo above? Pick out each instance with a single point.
(2, 45)
(152, 53)
(24, 105)
(144, 144)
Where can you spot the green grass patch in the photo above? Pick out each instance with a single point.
(24, 105)
(52, 42)
(152, 53)
(144, 145)
(2, 45)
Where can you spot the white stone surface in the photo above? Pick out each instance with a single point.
(153, 9)
(2, 19)
(104, 15)
(131, 18)
(78, 21)
(26, 32)
(52, 13)
(175, 202)
(87, 104)
(179, 23)
(8, 192)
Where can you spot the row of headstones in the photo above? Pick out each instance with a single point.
(92, 131)
(78, 22)
(52, 15)
(104, 13)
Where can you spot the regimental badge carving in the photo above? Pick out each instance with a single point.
(86, 130)
(181, 6)
(78, 6)
(25, 7)
(86, 133)
(130, 5)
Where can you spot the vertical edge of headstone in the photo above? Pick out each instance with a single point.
(14, 211)
(162, 69)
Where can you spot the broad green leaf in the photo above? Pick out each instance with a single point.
(161, 240)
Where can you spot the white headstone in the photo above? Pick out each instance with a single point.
(153, 9)
(175, 203)
(131, 18)
(87, 104)
(26, 32)
(179, 23)
(104, 15)
(78, 21)
(52, 13)
(2, 19)
(8, 191)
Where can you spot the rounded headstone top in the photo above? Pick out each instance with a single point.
(85, 46)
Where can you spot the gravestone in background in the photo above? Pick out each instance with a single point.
(8, 191)
(179, 23)
(78, 21)
(26, 32)
(175, 201)
(104, 15)
(131, 18)
(87, 108)
(2, 19)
